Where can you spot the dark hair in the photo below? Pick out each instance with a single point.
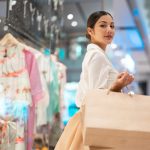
(93, 18)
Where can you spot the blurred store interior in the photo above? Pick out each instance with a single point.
(58, 27)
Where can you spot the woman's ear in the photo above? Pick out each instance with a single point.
(89, 31)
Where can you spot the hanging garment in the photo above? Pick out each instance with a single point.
(54, 92)
(7, 135)
(44, 69)
(44, 73)
(36, 92)
(44, 102)
(16, 87)
(62, 79)
(26, 74)
(14, 76)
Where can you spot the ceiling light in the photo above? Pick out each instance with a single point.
(74, 23)
(70, 16)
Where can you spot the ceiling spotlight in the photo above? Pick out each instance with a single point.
(74, 23)
(70, 16)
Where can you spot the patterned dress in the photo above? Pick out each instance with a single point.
(15, 92)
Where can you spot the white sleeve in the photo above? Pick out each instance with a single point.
(98, 71)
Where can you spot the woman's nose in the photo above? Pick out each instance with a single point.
(109, 29)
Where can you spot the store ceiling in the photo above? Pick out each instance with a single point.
(81, 9)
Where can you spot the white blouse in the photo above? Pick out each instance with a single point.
(97, 72)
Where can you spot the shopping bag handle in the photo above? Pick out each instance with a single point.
(130, 93)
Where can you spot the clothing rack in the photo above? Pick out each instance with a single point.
(25, 35)
(15, 28)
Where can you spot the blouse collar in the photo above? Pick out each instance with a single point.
(91, 47)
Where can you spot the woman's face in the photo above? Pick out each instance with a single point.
(103, 31)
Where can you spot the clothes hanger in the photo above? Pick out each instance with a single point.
(9, 40)
(54, 58)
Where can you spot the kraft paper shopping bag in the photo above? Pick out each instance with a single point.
(116, 120)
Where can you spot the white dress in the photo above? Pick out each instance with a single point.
(97, 72)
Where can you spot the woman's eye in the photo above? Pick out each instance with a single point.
(112, 26)
(103, 26)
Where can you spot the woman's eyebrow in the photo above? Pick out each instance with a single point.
(105, 22)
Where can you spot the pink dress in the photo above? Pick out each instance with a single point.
(36, 92)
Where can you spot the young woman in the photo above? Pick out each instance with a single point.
(97, 72)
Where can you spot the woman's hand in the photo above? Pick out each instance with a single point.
(122, 80)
